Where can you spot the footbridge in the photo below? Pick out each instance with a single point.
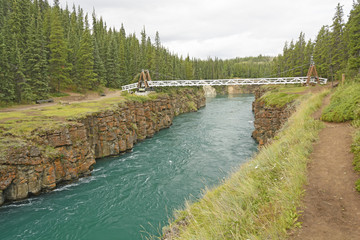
(227, 82)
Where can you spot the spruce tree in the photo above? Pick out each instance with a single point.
(322, 53)
(86, 76)
(73, 40)
(58, 66)
(338, 59)
(99, 67)
(36, 68)
(16, 43)
(112, 63)
(188, 69)
(299, 56)
(143, 56)
(7, 89)
(122, 57)
(156, 61)
(353, 27)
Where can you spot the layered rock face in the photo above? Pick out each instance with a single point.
(69, 151)
(268, 119)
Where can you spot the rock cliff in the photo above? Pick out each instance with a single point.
(268, 119)
(68, 152)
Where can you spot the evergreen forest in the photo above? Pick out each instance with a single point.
(46, 49)
(336, 49)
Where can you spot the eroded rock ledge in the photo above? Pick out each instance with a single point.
(68, 152)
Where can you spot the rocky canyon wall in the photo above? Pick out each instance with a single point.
(268, 119)
(68, 152)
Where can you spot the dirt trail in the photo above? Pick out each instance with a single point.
(332, 205)
(72, 98)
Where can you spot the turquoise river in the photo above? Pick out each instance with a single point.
(133, 195)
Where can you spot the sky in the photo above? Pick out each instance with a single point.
(218, 28)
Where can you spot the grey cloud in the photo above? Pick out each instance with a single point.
(227, 28)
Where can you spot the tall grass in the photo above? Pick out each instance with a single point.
(355, 148)
(279, 96)
(278, 99)
(259, 200)
(344, 105)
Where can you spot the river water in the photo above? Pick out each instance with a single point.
(133, 195)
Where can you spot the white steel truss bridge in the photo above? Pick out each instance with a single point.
(226, 82)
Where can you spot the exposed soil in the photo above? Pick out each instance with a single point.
(72, 98)
(331, 203)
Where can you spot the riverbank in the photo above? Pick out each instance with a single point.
(260, 199)
(41, 148)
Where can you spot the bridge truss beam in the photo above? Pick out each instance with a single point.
(226, 82)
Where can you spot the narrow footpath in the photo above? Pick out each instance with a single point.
(331, 203)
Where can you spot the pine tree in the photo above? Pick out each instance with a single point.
(143, 56)
(149, 54)
(338, 59)
(16, 43)
(22, 89)
(299, 56)
(322, 53)
(73, 43)
(134, 56)
(353, 27)
(112, 63)
(123, 71)
(189, 74)
(36, 69)
(156, 61)
(86, 76)
(58, 66)
(99, 68)
(7, 89)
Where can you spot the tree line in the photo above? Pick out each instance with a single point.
(45, 49)
(336, 49)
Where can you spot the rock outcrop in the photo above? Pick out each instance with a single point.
(68, 152)
(268, 119)
(209, 91)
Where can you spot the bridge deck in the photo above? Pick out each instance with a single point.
(225, 82)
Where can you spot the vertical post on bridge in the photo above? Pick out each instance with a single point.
(312, 71)
(143, 80)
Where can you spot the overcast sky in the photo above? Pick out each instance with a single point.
(218, 28)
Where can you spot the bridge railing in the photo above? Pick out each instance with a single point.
(226, 82)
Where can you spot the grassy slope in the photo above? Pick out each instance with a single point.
(345, 106)
(259, 200)
(281, 95)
